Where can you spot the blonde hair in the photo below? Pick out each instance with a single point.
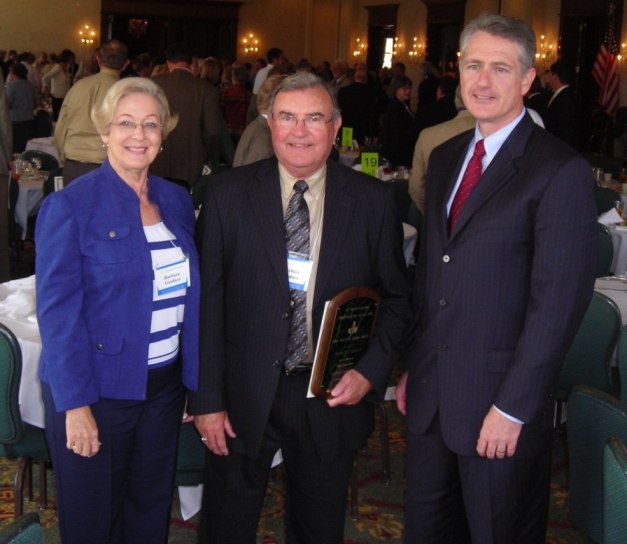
(266, 90)
(103, 116)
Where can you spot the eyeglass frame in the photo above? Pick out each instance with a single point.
(292, 120)
(131, 126)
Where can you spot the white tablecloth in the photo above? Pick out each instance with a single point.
(17, 305)
(44, 144)
(619, 241)
(29, 199)
(410, 237)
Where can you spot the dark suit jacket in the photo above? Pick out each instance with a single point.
(398, 134)
(358, 103)
(560, 118)
(244, 323)
(195, 140)
(500, 299)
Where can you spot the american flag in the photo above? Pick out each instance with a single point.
(604, 69)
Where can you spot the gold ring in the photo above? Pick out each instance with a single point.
(203, 438)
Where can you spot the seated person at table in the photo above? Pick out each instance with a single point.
(117, 304)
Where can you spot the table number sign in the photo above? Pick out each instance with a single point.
(370, 163)
(347, 137)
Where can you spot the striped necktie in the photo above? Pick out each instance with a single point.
(469, 182)
(297, 241)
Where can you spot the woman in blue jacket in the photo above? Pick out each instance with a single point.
(117, 304)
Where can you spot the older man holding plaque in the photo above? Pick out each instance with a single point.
(279, 238)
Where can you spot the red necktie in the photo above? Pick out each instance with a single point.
(469, 181)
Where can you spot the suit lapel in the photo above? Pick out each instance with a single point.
(442, 181)
(499, 172)
(336, 221)
(265, 201)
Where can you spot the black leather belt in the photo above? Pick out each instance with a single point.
(297, 371)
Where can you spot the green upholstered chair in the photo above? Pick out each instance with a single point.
(593, 418)
(190, 461)
(605, 254)
(622, 365)
(48, 162)
(615, 492)
(19, 440)
(588, 359)
(24, 530)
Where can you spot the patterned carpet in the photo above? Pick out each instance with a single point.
(380, 515)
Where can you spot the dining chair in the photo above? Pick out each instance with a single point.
(593, 418)
(615, 492)
(190, 461)
(605, 254)
(48, 162)
(589, 357)
(621, 362)
(25, 529)
(19, 440)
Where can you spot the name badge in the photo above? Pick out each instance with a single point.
(299, 270)
(172, 276)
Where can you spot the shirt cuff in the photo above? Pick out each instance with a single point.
(511, 418)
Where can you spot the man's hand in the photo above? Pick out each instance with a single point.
(349, 390)
(401, 394)
(81, 431)
(498, 437)
(213, 429)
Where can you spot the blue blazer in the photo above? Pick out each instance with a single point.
(95, 285)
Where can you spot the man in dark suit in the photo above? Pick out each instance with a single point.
(252, 399)
(504, 278)
(195, 141)
(561, 112)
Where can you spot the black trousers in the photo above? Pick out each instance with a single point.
(316, 492)
(73, 169)
(453, 499)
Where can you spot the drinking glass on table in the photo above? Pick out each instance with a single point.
(620, 207)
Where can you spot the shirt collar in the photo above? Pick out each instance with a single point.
(315, 181)
(493, 143)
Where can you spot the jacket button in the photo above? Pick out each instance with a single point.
(285, 315)
(277, 364)
(99, 346)
(446, 258)
(112, 234)
(443, 302)
(442, 347)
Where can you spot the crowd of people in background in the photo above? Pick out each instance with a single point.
(377, 105)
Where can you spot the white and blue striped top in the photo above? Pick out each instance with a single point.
(167, 309)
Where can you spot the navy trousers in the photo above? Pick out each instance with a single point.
(453, 499)
(123, 494)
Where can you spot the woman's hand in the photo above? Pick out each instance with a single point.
(81, 431)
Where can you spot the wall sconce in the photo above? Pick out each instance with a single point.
(360, 48)
(620, 57)
(417, 50)
(398, 47)
(251, 44)
(87, 35)
(545, 51)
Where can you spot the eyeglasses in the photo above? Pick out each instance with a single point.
(313, 121)
(149, 127)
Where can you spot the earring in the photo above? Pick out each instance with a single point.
(160, 148)
(105, 144)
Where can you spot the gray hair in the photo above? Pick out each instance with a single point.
(103, 116)
(509, 28)
(301, 81)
